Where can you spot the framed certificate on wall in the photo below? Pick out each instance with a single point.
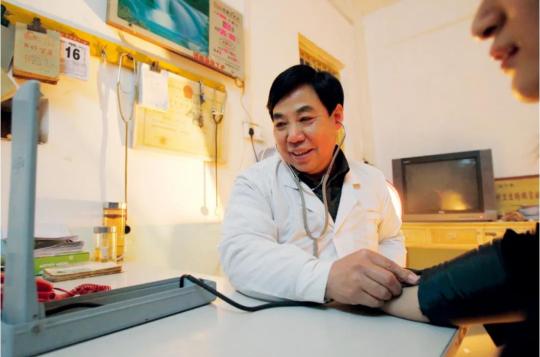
(206, 31)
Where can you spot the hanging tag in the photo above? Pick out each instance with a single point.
(74, 58)
(153, 88)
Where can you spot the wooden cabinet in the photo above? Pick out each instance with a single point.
(430, 243)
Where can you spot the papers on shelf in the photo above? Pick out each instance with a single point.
(53, 239)
(54, 246)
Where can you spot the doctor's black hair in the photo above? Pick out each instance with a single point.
(327, 87)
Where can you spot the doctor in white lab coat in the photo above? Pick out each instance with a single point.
(270, 249)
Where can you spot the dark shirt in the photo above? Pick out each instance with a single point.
(520, 255)
(334, 185)
(498, 277)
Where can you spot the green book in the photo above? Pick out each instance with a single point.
(41, 263)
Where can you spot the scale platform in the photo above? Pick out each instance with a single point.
(29, 327)
(118, 309)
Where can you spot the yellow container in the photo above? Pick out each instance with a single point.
(105, 239)
(115, 215)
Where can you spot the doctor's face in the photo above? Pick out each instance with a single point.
(305, 133)
(513, 25)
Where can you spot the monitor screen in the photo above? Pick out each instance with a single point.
(442, 186)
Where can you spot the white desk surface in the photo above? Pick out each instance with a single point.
(219, 329)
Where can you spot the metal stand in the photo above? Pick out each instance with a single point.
(29, 327)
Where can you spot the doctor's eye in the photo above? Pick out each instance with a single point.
(306, 119)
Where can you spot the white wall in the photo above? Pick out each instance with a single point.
(415, 83)
(273, 46)
(433, 89)
(82, 164)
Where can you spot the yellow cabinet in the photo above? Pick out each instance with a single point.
(454, 236)
(430, 243)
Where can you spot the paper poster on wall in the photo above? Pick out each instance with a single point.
(518, 194)
(187, 126)
(207, 31)
(153, 88)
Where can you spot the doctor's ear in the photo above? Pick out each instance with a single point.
(337, 115)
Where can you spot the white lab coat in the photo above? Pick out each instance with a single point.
(265, 251)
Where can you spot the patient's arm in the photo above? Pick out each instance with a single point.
(497, 282)
(406, 305)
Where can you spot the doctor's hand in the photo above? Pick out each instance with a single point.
(366, 278)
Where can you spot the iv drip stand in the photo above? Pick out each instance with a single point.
(27, 329)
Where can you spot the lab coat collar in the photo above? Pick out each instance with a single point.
(285, 177)
(290, 181)
(349, 193)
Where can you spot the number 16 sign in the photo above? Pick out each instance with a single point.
(74, 57)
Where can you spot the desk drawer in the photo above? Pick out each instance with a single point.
(425, 257)
(455, 236)
(490, 234)
(416, 236)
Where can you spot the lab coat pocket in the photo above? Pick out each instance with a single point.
(369, 228)
(358, 231)
(315, 221)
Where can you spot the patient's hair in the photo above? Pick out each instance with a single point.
(325, 85)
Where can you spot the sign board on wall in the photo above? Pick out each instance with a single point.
(207, 31)
(517, 194)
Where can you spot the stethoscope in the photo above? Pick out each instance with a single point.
(325, 198)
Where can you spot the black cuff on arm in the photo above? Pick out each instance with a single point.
(472, 285)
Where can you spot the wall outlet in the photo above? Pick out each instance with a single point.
(257, 134)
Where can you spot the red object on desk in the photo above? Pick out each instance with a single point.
(46, 290)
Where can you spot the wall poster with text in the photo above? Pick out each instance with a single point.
(206, 31)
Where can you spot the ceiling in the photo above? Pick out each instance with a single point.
(352, 9)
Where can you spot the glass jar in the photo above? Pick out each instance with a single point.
(114, 215)
(105, 240)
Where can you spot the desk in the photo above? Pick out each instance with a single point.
(430, 243)
(221, 330)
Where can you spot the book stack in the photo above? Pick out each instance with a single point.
(58, 251)
(56, 246)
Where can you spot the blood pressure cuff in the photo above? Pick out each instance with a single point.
(498, 277)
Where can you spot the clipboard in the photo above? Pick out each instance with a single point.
(37, 53)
